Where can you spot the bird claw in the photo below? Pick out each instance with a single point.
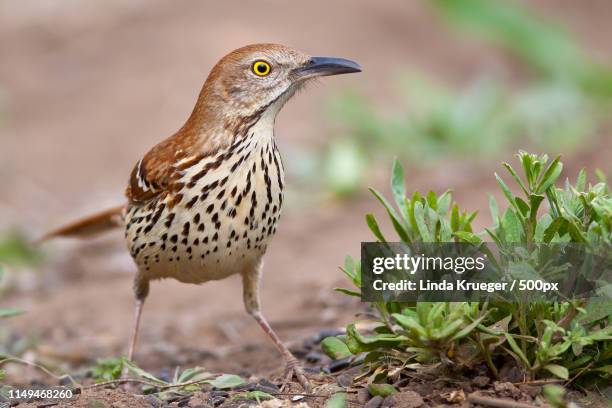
(294, 369)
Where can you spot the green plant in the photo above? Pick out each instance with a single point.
(16, 250)
(107, 369)
(542, 45)
(565, 339)
(256, 395)
(558, 105)
(6, 311)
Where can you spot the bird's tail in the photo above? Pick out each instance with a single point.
(88, 226)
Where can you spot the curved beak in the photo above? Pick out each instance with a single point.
(325, 66)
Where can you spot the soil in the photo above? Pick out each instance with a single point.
(86, 88)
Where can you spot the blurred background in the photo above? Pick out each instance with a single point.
(450, 87)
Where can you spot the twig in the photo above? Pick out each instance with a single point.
(121, 381)
(303, 394)
(144, 382)
(539, 382)
(38, 366)
(579, 373)
(497, 402)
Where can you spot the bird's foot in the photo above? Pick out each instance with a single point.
(293, 369)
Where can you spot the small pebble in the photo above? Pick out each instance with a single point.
(363, 395)
(404, 399)
(374, 402)
(216, 401)
(387, 402)
(506, 389)
(315, 370)
(338, 365)
(184, 402)
(313, 357)
(299, 352)
(65, 380)
(268, 384)
(154, 402)
(245, 387)
(345, 380)
(481, 381)
(309, 343)
(530, 390)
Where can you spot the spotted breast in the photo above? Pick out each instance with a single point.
(219, 215)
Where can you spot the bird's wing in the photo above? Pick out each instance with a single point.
(155, 173)
(149, 178)
(158, 172)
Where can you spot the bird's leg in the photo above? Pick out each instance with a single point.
(141, 290)
(250, 286)
(135, 326)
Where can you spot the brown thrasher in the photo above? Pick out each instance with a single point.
(204, 203)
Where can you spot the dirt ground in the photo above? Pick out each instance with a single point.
(86, 88)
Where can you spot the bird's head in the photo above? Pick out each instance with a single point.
(260, 78)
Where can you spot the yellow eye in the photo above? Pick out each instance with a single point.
(261, 68)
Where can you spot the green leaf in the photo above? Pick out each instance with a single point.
(515, 347)
(512, 226)
(444, 202)
(553, 228)
(516, 177)
(252, 396)
(398, 186)
(348, 292)
(410, 323)
(419, 217)
(383, 390)
(447, 330)
(534, 202)
(467, 237)
(226, 381)
(522, 206)
(581, 181)
(432, 200)
(395, 220)
(505, 190)
(335, 348)
(107, 369)
(550, 175)
(194, 374)
(554, 395)
(9, 312)
(557, 370)
(373, 224)
(454, 221)
(133, 368)
(494, 208)
(338, 400)
(468, 329)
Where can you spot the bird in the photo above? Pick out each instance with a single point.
(204, 203)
